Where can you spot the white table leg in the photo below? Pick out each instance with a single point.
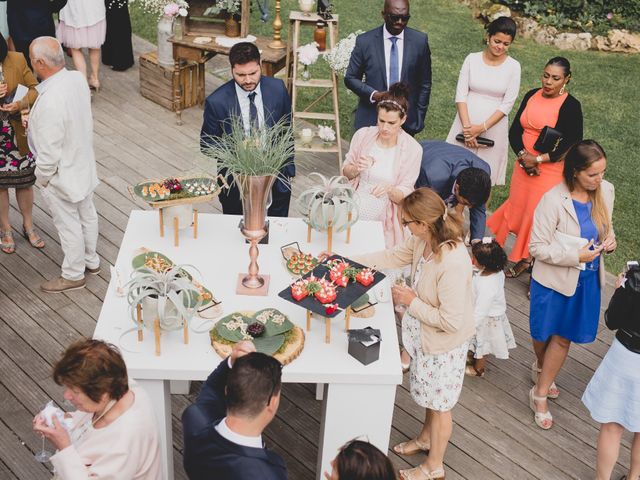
(158, 391)
(319, 391)
(351, 411)
(180, 387)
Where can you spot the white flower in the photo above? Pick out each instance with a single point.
(326, 133)
(183, 12)
(173, 7)
(339, 56)
(308, 54)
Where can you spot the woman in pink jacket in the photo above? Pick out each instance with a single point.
(383, 164)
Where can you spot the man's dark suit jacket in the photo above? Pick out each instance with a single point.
(220, 107)
(441, 164)
(208, 455)
(30, 19)
(367, 60)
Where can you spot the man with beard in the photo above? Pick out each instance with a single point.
(259, 102)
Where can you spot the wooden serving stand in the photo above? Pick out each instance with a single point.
(330, 234)
(327, 323)
(162, 204)
(156, 329)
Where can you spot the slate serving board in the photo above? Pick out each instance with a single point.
(346, 296)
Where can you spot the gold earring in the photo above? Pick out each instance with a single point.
(562, 89)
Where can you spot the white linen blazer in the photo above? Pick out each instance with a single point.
(61, 136)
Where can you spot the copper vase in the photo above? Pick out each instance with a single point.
(254, 192)
(231, 27)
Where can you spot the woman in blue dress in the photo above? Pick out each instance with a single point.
(572, 227)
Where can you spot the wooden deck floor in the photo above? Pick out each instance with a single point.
(494, 434)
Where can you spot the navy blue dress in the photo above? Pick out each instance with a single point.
(574, 318)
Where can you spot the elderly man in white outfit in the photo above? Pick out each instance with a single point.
(60, 134)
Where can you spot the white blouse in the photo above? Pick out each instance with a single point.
(83, 13)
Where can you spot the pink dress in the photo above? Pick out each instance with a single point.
(82, 24)
(485, 89)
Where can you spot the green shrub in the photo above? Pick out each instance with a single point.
(596, 16)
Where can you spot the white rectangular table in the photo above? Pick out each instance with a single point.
(358, 399)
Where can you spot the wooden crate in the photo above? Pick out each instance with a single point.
(157, 83)
(197, 24)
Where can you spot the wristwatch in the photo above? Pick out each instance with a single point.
(521, 152)
(539, 159)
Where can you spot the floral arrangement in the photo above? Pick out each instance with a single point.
(230, 6)
(326, 133)
(339, 56)
(171, 8)
(308, 54)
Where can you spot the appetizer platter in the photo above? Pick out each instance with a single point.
(270, 330)
(210, 307)
(176, 191)
(332, 286)
(297, 262)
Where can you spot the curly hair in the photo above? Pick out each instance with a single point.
(490, 256)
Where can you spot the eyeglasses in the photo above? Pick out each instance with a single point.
(407, 222)
(398, 18)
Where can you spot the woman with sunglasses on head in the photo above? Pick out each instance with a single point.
(488, 86)
(383, 164)
(438, 322)
(548, 122)
(572, 227)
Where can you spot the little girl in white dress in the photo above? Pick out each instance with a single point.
(493, 331)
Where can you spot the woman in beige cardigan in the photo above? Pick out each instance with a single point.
(571, 228)
(438, 323)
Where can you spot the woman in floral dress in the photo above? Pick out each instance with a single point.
(438, 322)
(17, 165)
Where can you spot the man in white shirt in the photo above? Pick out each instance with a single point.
(60, 131)
(223, 428)
(386, 55)
(260, 102)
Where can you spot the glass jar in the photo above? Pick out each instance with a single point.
(320, 35)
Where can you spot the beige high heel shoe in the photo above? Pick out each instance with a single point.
(544, 420)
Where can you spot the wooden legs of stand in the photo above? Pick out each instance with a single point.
(156, 329)
(349, 218)
(327, 324)
(308, 233)
(329, 237)
(176, 226)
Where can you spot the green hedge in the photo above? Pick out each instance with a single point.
(597, 16)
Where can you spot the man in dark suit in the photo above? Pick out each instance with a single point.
(30, 19)
(460, 177)
(223, 428)
(257, 100)
(388, 54)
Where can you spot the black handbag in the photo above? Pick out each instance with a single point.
(548, 140)
(487, 142)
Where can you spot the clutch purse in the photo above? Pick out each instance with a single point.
(487, 142)
(570, 242)
(548, 140)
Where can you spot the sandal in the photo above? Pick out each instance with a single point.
(405, 366)
(470, 359)
(519, 268)
(401, 448)
(36, 241)
(554, 391)
(10, 246)
(420, 473)
(544, 420)
(472, 371)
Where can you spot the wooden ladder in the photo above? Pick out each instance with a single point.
(330, 86)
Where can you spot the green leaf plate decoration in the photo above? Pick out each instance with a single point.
(192, 187)
(233, 329)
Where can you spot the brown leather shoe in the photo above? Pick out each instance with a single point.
(60, 284)
(93, 271)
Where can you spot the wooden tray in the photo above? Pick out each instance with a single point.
(136, 192)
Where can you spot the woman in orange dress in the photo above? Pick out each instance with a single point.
(536, 172)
